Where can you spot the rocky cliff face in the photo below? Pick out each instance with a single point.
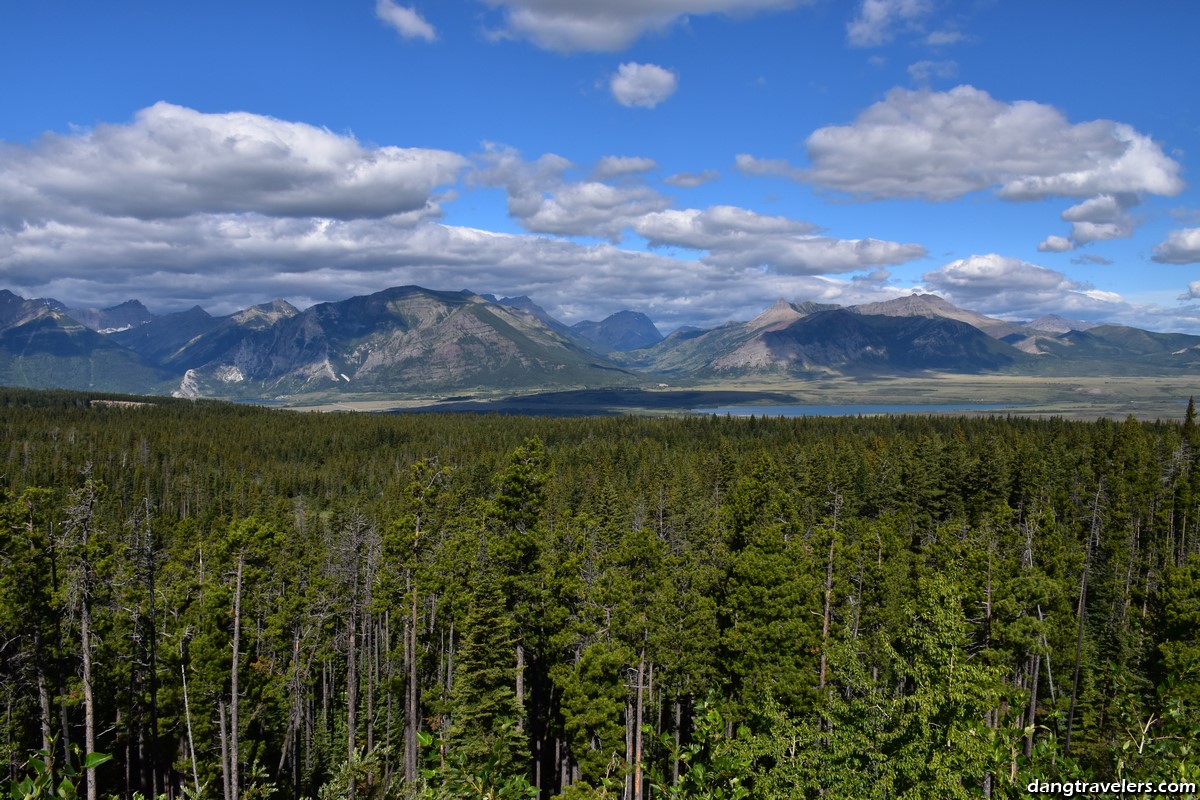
(402, 339)
(934, 307)
(129, 314)
(622, 331)
(843, 341)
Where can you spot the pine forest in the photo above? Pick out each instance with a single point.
(207, 600)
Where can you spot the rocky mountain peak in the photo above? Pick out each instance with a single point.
(265, 314)
(779, 315)
(622, 331)
(1053, 323)
(120, 317)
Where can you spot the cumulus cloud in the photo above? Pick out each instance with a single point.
(1055, 244)
(544, 201)
(1015, 289)
(690, 180)
(985, 274)
(704, 230)
(225, 262)
(642, 85)
(1092, 261)
(525, 181)
(741, 239)
(609, 25)
(1012, 288)
(1181, 247)
(173, 161)
(943, 145)
(878, 20)
(749, 165)
(225, 210)
(1104, 208)
(406, 21)
(230, 241)
(228, 261)
(593, 208)
(1100, 218)
(1192, 293)
(924, 71)
(616, 166)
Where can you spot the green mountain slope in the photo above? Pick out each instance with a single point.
(1117, 350)
(54, 351)
(809, 338)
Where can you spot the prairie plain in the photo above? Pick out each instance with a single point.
(1077, 398)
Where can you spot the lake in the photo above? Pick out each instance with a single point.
(846, 410)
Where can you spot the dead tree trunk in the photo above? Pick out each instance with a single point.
(80, 521)
(1093, 534)
(234, 753)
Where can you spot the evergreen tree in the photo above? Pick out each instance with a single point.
(1189, 423)
(483, 703)
(886, 606)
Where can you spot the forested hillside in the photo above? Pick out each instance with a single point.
(240, 603)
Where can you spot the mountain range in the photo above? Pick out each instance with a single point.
(410, 340)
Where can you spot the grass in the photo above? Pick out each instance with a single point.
(1086, 397)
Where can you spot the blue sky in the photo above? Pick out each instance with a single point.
(691, 159)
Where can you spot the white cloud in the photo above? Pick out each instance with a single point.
(1192, 293)
(1012, 288)
(226, 210)
(1103, 208)
(610, 25)
(943, 145)
(1181, 247)
(991, 273)
(740, 239)
(1015, 289)
(749, 165)
(1087, 232)
(526, 182)
(544, 201)
(705, 230)
(690, 180)
(941, 38)
(924, 71)
(173, 161)
(1092, 260)
(1055, 244)
(225, 262)
(592, 208)
(1100, 218)
(616, 166)
(407, 22)
(877, 20)
(642, 85)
